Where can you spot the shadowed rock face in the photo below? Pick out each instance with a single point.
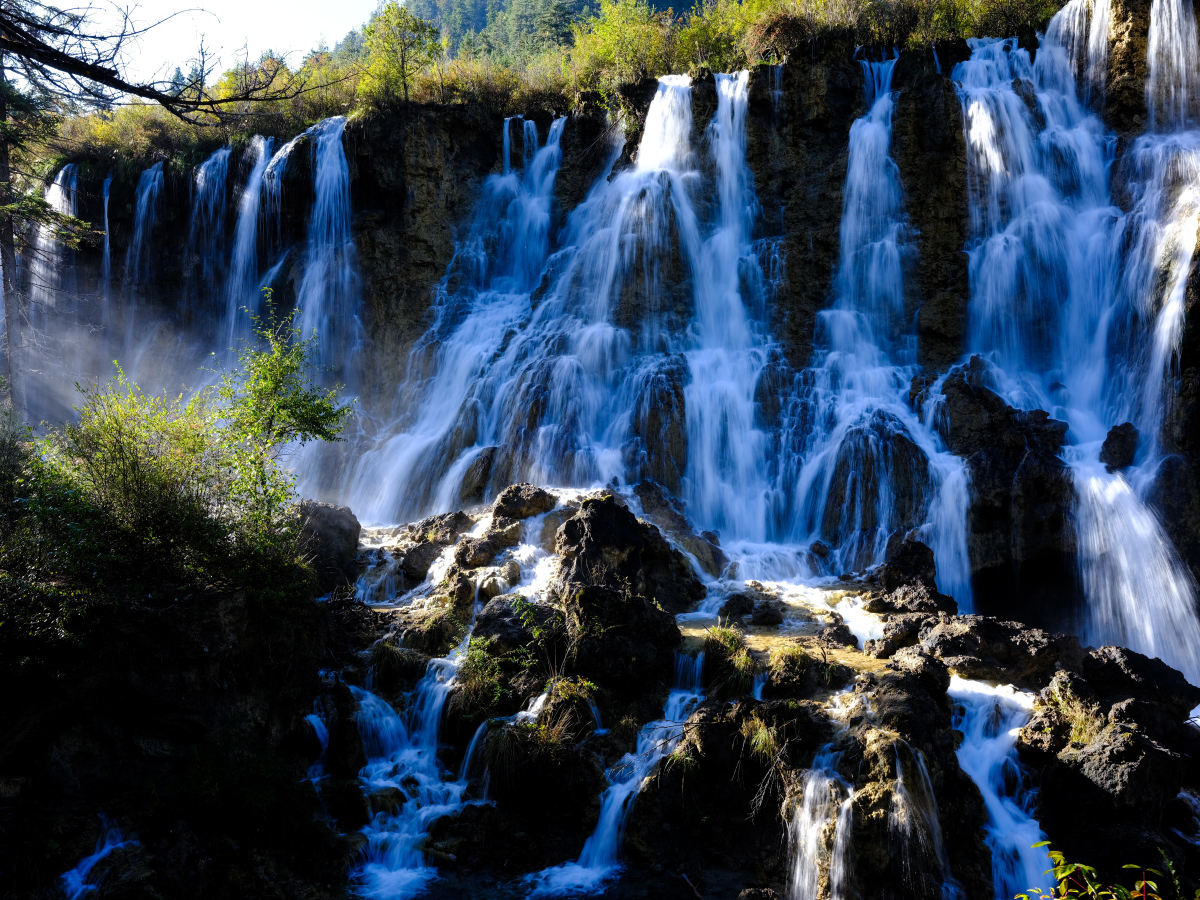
(1020, 533)
(798, 150)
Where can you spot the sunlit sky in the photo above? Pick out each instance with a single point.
(291, 27)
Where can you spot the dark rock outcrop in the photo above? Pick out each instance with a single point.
(520, 501)
(508, 621)
(1021, 535)
(331, 538)
(930, 151)
(1005, 652)
(668, 513)
(604, 545)
(1110, 740)
(1120, 447)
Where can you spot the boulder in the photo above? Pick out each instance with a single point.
(908, 563)
(330, 537)
(994, 650)
(738, 605)
(604, 545)
(433, 535)
(505, 532)
(1120, 447)
(474, 553)
(767, 614)
(386, 800)
(520, 501)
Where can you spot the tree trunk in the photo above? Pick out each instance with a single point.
(8, 259)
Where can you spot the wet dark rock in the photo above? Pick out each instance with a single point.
(767, 614)
(1021, 535)
(838, 635)
(668, 512)
(603, 544)
(345, 754)
(738, 605)
(386, 800)
(796, 146)
(433, 536)
(659, 446)
(551, 524)
(476, 478)
(874, 449)
(504, 621)
(474, 553)
(330, 536)
(1120, 447)
(700, 808)
(1111, 744)
(911, 562)
(504, 532)
(930, 151)
(880, 648)
(1125, 81)
(990, 649)
(520, 501)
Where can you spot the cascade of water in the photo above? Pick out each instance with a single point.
(1082, 32)
(206, 231)
(1173, 84)
(241, 288)
(826, 797)
(989, 719)
(106, 259)
(150, 186)
(914, 824)
(599, 860)
(874, 468)
(1073, 301)
(402, 753)
(75, 882)
(45, 269)
(328, 296)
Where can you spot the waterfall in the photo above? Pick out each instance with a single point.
(826, 799)
(241, 287)
(1073, 301)
(150, 186)
(1173, 85)
(402, 753)
(599, 860)
(875, 468)
(206, 231)
(914, 826)
(328, 296)
(75, 883)
(46, 281)
(989, 719)
(106, 259)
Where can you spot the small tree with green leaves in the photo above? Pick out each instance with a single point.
(398, 45)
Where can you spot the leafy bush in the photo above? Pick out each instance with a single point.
(146, 492)
(480, 681)
(1076, 882)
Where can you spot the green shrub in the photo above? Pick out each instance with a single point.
(729, 661)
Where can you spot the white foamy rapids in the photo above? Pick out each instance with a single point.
(990, 719)
(402, 753)
(600, 860)
(78, 882)
(1073, 301)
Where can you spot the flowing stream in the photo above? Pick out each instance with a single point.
(600, 859)
(990, 718)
